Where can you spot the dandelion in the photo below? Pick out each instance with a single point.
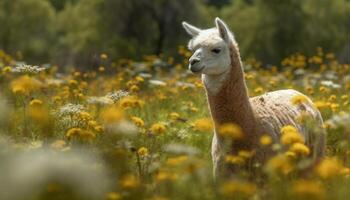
(307, 189)
(265, 140)
(130, 182)
(280, 164)
(300, 149)
(143, 151)
(299, 99)
(230, 130)
(111, 115)
(134, 88)
(203, 125)
(138, 121)
(113, 196)
(131, 101)
(7, 69)
(177, 160)
(103, 56)
(234, 188)
(290, 135)
(165, 176)
(329, 168)
(80, 133)
(258, 90)
(25, 85)
(174, 116)
(246, 154)
(236, 160)
(35, 102)
(84, 116)
(158, 128)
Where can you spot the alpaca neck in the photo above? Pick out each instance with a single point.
(228, 97)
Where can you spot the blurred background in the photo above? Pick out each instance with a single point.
(76, 32)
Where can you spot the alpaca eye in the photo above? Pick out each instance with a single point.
(216, 50)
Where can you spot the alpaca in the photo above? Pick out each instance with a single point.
(216, 57)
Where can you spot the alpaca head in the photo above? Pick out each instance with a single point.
(210, 47)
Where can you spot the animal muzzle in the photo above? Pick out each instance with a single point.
(195, 66)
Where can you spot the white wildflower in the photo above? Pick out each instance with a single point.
(330, 84)
(145, 75)
(181, 84)
(341, 120)
(100, 100)
(70, 109)
(157, 82)
(55, 82)
(181, 149)
(124, 127)
(29, 69)
(23, 174)
(115, 96)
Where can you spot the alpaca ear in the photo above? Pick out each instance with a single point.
(222, 28)
(192, 30)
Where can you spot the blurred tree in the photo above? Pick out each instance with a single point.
(328, 26)
(122, 29)
(26, 26)
(150, 26)
(267, 29)
(218, 3)
(77, 35)
(60, 4)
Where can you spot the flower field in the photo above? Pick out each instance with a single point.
(142, 130)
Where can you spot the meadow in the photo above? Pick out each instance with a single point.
(142, 130)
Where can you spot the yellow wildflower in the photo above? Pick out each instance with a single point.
(80, 133)
(236, 160)
(174, 116)
(25, 85)
(230, 130)
(113, 196)
(258, 90)
(103, 56)
(165, 176)
(329, 167)
(298, 99)
(279, 164)
(130, 182)
(300, 149)
(204, 125)
(177, 160)
(112, 114)
(234, 188)
(134, 88)
(143, 151)
(265, 140)
(290, 135)
(35, 102)
(158, 128)
(246, 154)
(138, 121)
(84, 116)
(307, 189)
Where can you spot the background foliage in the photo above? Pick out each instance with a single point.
(76, 31)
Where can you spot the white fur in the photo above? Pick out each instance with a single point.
(213, 83)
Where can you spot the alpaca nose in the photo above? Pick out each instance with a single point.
(194, 61)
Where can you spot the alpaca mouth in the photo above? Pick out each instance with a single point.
(196, 71)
